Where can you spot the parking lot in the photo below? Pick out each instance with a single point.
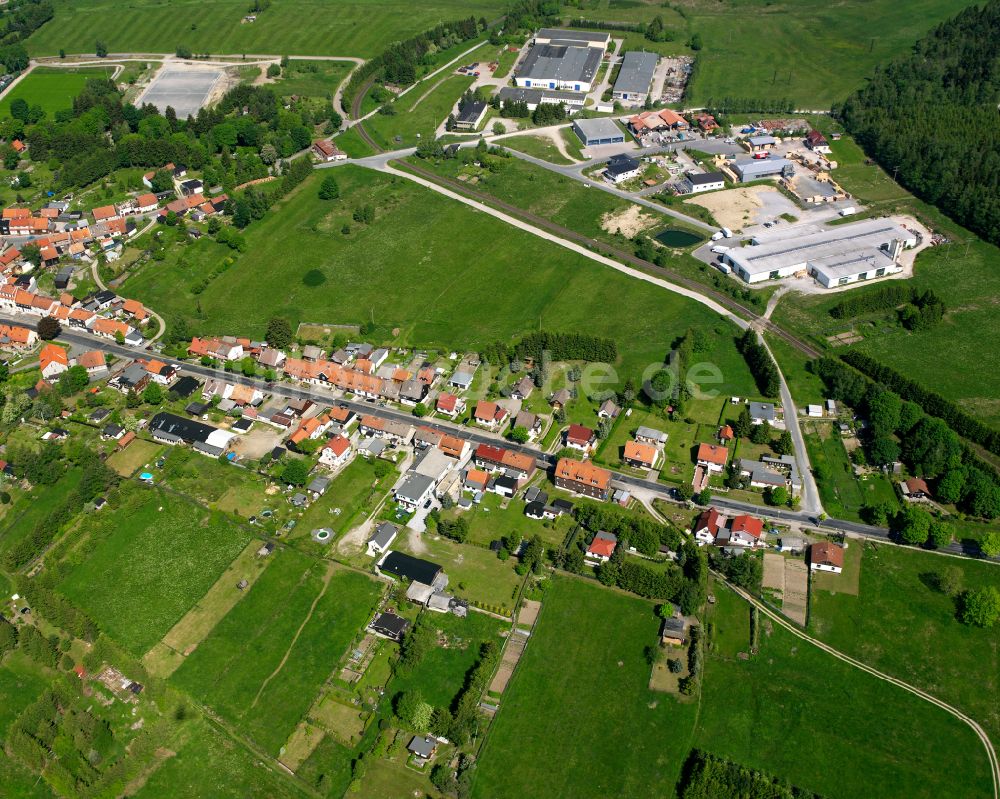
(185, 90)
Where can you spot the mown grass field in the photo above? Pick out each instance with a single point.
(901, 623)
(791, 711)
(411, 270)
(579, 719)
(147, 563)
(312, 78)
(297, 27)
(794, 711)
(53, 89)
(286, 626)
(811, 52)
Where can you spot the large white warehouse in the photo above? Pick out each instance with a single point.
(834, 255)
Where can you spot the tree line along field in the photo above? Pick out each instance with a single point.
(903, 623)
(791, 711)
(359, 28)
(409, 270)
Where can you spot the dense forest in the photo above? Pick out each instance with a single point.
(931, 118)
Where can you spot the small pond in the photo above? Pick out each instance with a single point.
(673, 237)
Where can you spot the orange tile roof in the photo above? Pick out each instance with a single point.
(603, 546)
(110, 326)
(16, 213)
(16, 333)
(583, 472)
(712, 453)
(145, 200)
(636, 451)
(452, 446)
(338, 445)
(91, 360)
(104, 212)
(52, 354)
(477, 477)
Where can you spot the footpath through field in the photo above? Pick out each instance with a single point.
(958, 714)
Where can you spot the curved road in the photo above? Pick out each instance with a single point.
(777, 618)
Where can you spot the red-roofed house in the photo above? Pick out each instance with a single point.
(580, 437)
(94, 362)
(915, 489)
(326, 151)
(450, 405)
(335, 452)
(641, 456)
(712, 457)
(602, 547)
(489, 414)
(145, 203)
(16, 337)
(53, 361)
(105, 212)
(826, 557)
(706, 526)
(726, 434)
(743, 531)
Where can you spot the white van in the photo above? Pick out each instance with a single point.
(848, 211)
(718, 249)
(727, 233)
(717, 235)
(724, 268)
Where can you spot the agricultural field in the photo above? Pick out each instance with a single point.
(795, 711)
(582, 681)
(207, 758)
(143, 564)
(903, 623)
(842, 493)
(730, 63)
(359, 28)
(51, 88)
(434, 299)
(263, 664)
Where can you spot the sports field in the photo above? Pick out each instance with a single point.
(263, 664)
(296, 27)
(903, 623)
(794, 711)
(410, 270)
(148, 562)
(53, 89)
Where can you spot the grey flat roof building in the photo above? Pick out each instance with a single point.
(590, 38)
(756, 168)
(560, 65)
(593, 132)
(636, 74)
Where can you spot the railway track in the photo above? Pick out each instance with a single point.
(738, 308)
